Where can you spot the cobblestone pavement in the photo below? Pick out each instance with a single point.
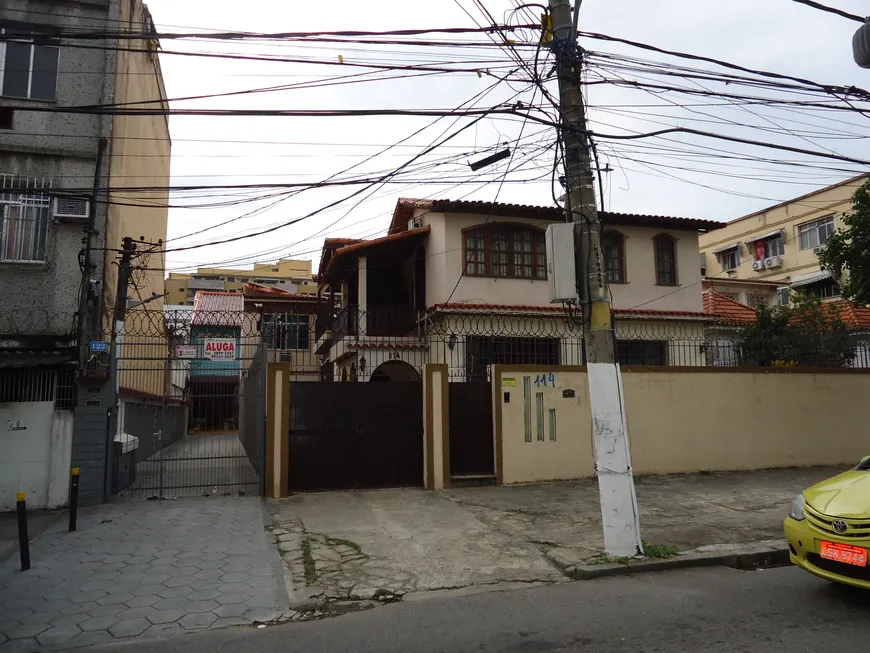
(142, 569)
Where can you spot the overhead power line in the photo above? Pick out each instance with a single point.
(726, 64)
(262, 36)
(830, 10)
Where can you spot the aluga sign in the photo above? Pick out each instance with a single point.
(220, 349)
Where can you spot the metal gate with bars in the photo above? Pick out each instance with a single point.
(191, 408)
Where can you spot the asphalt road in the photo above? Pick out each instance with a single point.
(714, 609)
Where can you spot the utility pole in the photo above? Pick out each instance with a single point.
(613, 455)
(125, 270)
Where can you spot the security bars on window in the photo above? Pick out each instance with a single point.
(24, 217)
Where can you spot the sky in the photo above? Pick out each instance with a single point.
(639, 176)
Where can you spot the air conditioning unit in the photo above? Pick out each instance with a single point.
(772, 262)
(816, 250)
(758, 266)
(70, 209)
(415, 223)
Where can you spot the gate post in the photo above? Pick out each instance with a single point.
(436, 421)
(278, 430)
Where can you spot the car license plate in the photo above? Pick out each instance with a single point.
(851, 555)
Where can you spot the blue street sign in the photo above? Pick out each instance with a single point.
(99, 345)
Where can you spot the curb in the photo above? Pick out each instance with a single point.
(761, 555)
(279, 581)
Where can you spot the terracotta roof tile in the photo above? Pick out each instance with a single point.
(855, 317)
(726, 309)
(405, 208)
(362, 245)
(558, 310)
(340, 242)
(257, 291)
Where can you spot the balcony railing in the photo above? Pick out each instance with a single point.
(323, 322)
(377, 321)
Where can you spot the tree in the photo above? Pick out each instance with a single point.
(808, 333)
(846, 254)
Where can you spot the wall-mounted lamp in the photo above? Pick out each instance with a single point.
(362, 364)
(451, 341)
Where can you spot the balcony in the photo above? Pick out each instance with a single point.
(378, 322)
(380, 327)
(205, 284)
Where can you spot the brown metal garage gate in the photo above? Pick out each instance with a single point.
(355, 435)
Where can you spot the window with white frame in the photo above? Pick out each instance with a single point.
(287, 330)
(782, 295)
(774, 246)
(29, 64)
(815, 233)
(730, 259)
(23, 228)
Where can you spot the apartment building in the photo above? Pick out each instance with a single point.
(289, 275)
(63, 210)
(777, 248)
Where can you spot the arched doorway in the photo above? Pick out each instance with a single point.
(396, 371)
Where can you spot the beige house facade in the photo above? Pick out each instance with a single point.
(465, 284)
(289, 275)
(780, 244)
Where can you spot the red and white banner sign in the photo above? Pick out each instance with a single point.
(760, 250)
(220, 349)
(185, 351)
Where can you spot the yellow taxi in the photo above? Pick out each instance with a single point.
(828, 527)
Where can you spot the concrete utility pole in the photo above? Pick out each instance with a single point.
(125, 270)
(613, 456)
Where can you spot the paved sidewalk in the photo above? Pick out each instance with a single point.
(142, 569)
(387, 544)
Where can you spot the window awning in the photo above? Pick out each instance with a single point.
(725, 249)
(807, 279)
(772, 234)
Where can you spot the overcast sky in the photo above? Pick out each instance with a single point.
(775, 35)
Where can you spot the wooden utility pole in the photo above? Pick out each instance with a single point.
(613, 456)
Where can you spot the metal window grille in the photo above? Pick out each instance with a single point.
(32, 385)
(24, 216)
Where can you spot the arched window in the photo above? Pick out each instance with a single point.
(666, 260)
(613, 249)
(505, 250)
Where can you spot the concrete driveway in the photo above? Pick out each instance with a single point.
(385, 544)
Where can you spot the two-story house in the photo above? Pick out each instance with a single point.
(465, 283)
(285, 325)
(63, 213)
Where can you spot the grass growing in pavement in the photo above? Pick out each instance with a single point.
(659, 550)
(308, 562)
(650, 551)
(336, 541)
(604, 559)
